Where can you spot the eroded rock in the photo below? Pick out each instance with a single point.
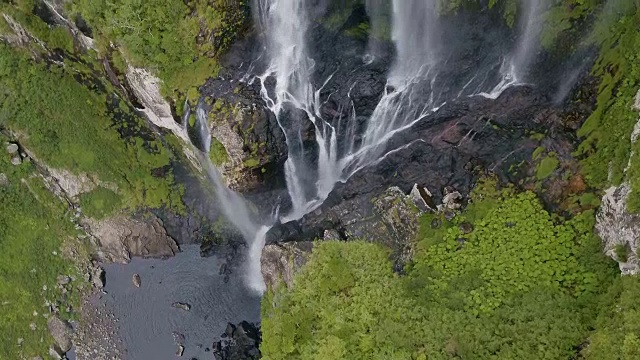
(280, 262)
(122, 237)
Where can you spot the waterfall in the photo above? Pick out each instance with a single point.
(412, 93)
(514, 69)
(285, 24)
(234, 207)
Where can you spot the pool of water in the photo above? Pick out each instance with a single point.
(147, 318)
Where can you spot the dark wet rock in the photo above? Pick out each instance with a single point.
(280, 262)
(61, 332)
(182, 306)
(239, 342)
(137, 282)
(241, 121)
(466, 227)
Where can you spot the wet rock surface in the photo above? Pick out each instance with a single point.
(239, 342)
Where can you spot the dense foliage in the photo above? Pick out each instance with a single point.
(518, 286)
(33, 226)
(178, 39)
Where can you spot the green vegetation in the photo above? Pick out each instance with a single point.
(69, 126)
(100, 203)
(33, 226)
(607, 146)
(178, 39)
(217, 153)
(518, 286)
(347, 304)
(547, 166)
(622, 252)
(617, 334)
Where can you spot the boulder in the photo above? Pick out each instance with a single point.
(61, 332)
(181, 305)
(136, 280)
(4, 180)
(121, 237)
(16, 160)
(98, 277)
(239, 342)
(12, 149)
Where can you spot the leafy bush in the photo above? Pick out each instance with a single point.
(518, 287)
(617, 334)
(217, 153)
(346, 304)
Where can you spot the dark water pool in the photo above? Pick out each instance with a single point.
(147, 319)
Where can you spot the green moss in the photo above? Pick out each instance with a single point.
(251, 162)
(100, 203)
(538, 152)
(218, 154)
(546, 167)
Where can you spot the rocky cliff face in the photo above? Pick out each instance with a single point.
(616, 225)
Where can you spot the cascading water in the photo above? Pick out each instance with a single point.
(413, 92)
(515, 68)
(294, 99)
(232, 204)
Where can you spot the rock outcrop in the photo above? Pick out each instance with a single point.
(146, 88)
(122, 237)
(619, 229)
(280, 262)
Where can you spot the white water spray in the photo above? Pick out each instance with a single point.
(514, 69)
(234, 207)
